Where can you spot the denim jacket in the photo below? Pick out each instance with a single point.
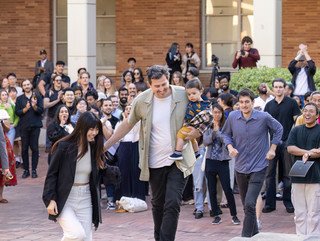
(216, 149)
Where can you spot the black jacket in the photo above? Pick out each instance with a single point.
(31, 118)
(310, 71)
(60, 178)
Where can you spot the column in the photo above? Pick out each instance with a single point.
(267, 31)
(82, 38)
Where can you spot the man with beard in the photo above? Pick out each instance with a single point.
(224, 85)
(107, 109)
(265, 95)
(123, 96)
(29, 107)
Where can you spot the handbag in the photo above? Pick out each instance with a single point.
(111, 159)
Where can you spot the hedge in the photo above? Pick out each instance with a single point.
(251, 78)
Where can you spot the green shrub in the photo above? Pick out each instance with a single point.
(251, 78)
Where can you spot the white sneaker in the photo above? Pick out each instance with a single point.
(110, 206)
(259, 224)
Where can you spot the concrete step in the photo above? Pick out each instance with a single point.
(278, 237)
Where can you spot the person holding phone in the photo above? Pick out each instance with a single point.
(246, 57)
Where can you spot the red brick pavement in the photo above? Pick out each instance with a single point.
(25, 218)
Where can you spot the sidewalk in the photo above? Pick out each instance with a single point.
(25, 218)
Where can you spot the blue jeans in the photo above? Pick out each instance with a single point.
(11, 134)
(198, 176)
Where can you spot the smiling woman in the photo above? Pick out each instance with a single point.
(71, 186)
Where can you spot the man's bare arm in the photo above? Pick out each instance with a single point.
(121, 131)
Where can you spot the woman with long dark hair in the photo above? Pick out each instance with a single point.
(139, 80)
(217, 164)
(174, 59)
(60, 127)
(71, 187)
(189, 59)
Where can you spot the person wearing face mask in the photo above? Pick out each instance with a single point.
(224, 81)
(246, 57)
(265, 95)
(123, 97)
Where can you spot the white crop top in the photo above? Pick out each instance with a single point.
(83, 168)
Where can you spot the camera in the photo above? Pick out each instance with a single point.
(215, 60)
(243, 52)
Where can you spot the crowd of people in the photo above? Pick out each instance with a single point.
(170, 133)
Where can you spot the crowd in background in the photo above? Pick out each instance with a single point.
(51, 96)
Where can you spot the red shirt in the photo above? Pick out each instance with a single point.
(248, 62)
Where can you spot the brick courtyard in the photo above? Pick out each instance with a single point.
(25, 218)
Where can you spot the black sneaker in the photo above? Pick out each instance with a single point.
(34, 174)
(175, 156)
(198, 214)
(26, 174)
(194, 212)
(217, 220)
(235, 220)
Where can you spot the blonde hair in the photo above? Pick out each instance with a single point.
(112, 89)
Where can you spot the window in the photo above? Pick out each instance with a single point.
(225, 23)
(106, 32)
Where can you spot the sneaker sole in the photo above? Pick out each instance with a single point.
(216, 223)
(235, 223)
(175, 159)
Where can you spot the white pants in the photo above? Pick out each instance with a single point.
(76, 216)
(306, 201)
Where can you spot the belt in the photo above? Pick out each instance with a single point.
(80, 184)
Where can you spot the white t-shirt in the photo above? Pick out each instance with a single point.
(301, 83)
(160, 137)
(260, 104)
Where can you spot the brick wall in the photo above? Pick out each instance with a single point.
(145, 30)
(300, 24)
(25, 29)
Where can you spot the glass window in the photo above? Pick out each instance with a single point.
(225, 23)
(106, 32)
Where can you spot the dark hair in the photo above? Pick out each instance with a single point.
(156, 72)
(125, 73)
(56, 115)
(313, 104)
(221, 77)
(12, 89)
(194, 71)
(213, 92)
(132, 59)
(227, 99)
(189, 45)
(246, 92)
(308, 94)
(11, 74)
(83, 68)
(78, 138)
(107, 99)
(246, 39)
(68, 89)
(279, 80)
(122, 88)
(141, 78)
(52, 85)
(77, 102)
(97, 109)
(24, 80)
(194, 83)
(94, 94)
(60, 62)
(223, 118)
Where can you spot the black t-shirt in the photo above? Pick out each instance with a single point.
(284, 113)
(113, 120)
(307, 139)
(54, 95)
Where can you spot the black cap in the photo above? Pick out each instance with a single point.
(43, 51)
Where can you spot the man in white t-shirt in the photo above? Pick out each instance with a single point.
(302, 69)
(161, 110)
(265, 95)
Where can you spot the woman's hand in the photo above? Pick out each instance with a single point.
(52, 208)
